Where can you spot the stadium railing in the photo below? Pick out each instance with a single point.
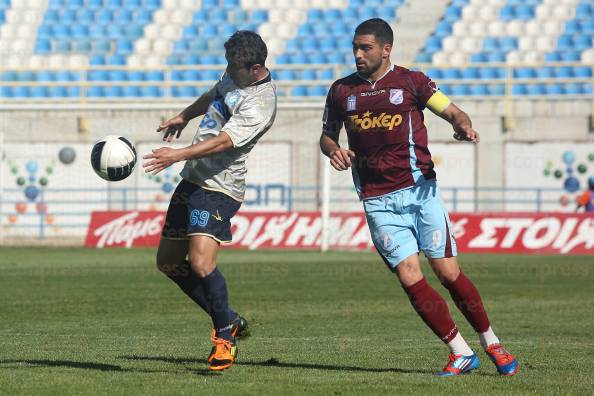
(74, 214)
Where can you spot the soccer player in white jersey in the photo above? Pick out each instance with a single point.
(238, 110)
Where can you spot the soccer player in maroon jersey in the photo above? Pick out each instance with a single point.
(381, 107)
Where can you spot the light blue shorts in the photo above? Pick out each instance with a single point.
(405, 222)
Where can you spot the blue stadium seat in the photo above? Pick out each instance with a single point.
(553, 56)
(554, 89)
(317, 58)
(21, 92)
(95, 92)
(573, 89)
(135, 75)
(460, 90)
(26, 76)
(423, 57)
(80, 31)
(470, 73)
(332, 15)
(116, 60)
(564, 72)
(433, 44)
(308, 74)
(315, 15)
(113, 91)
(524, 72)
(519, 89)
(82, 46)
(155, 75)
(287, 75)
(57, 92)
(43, 76)
(9, 76)
(495, 57)
(478, 58)
(151, 91)
(5, 92)
(298, 58)
(571, 56)
(101, 46)
(43, 46)
(451, 74)
(97, 60)
(434, 74)
(535, 89)
(299, 90)
(97, 75)
(117, 75)
(545, 72)
(496, 90)
(317, 91)
(210, 75)
(479, 90)
(39, 92)
(191, 75)
(61, 46)
(582, 71)
(124, 47)
(524, 12)
(97, 31)
(309, 46)
(327, 74)
(130, 91)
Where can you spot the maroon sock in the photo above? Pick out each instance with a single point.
(468, 300)
(433, 309)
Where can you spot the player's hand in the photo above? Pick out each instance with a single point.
(172, 127)
(340, 159)
(467, 134)
(160, 159)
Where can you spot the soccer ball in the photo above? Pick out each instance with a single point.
(113, 158)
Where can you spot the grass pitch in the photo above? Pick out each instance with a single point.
(78, 321)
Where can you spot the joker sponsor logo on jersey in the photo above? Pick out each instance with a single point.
(368, 120)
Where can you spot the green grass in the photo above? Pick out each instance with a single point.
(76, 321)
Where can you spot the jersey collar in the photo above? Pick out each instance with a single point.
(391, 68)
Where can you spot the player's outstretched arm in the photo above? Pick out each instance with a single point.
(340, 158)
(174, 126)
(461, 123)
(163, 157)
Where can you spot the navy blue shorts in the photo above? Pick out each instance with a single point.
(194, 210)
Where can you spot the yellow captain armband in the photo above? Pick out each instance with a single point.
(438, 102)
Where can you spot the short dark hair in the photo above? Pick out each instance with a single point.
(246, 47)
(379, 28)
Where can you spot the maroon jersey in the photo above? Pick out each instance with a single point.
(385, 127)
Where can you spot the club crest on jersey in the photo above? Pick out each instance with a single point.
(352, 103)
(396, 96)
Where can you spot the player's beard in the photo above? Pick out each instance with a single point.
(368, 68)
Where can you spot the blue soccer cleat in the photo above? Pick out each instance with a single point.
(460, 364)
(505, 362)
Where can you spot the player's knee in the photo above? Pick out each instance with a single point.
(447, 276)
(202, 264)
(409, 272)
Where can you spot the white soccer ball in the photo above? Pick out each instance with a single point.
(113, 158)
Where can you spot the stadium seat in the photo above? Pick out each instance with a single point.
(299, 90)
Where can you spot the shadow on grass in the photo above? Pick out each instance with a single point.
(276, 363)
(91, 366)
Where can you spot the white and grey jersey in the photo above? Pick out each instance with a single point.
(245, 114)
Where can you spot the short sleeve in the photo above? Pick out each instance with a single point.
(254, 115)
(424, 88)
(333, 117)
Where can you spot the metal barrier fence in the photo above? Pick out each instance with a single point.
(70, 217)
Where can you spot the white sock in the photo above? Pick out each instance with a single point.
(488, 338)
(458, 346)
